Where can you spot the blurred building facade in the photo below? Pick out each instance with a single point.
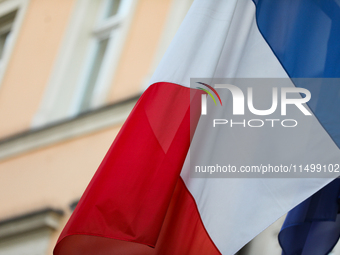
(70, 73)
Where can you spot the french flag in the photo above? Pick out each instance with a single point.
(143, 199)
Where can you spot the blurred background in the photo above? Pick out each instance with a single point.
(70, 73)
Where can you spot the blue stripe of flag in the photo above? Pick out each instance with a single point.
(304, 35)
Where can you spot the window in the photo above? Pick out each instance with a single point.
(113, 6)
(104, 39)
(11, 17)
(86, 64)
(95, 68)
(6, 24)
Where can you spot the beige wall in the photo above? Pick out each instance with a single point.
(31, 63)
(54, 176)
(51, 177)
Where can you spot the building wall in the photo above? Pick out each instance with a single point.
(31, 61)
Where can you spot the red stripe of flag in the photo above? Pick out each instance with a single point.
(136, 194)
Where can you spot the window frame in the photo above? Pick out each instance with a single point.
(111, 28)
(69, 86)
(6, 7)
